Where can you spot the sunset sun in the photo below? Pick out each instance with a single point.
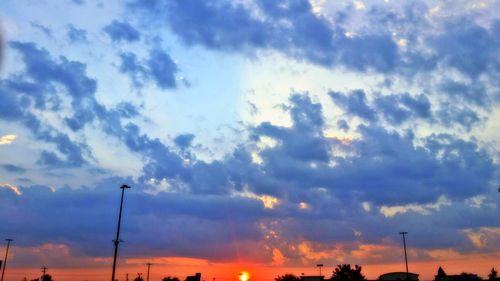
(244, 276)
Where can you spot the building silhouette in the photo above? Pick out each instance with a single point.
(398, 276)
(196, 277)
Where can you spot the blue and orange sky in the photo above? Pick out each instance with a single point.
(266, 136)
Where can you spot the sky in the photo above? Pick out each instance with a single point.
(266, 136)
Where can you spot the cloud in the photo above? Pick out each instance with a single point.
(398, 108)
(13, 168)
(121, 32)
(184, 141)
(7, 139)
(354, 103)
(467, 47)
(13, 188)
(76, 35)
(160, 68)
(35, 87)
(288, 194)
(291, 27)
(45, 30)
(390, 211)
(199, 201)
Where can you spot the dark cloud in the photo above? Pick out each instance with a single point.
(474, 93)
(184, 141)
(36, 87)
(288, 26)
(343, 125)
(160, 68)
(206, 217)
(467, 47)
(451, 115)
(354, 103)
(121, 31)
(398, 108)
(76, 35)
(194, 203)
(130, 65)
(13, 168)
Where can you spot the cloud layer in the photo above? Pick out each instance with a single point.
(337, 176)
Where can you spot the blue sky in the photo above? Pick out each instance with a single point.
(313, 126)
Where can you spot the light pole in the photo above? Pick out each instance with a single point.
(319, 265)
(6, 255)
(406, 257)
(147, 276)
(117, 240)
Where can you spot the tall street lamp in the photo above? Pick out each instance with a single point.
(149, 265)
(320, 265)
(6, 255)
(117, 240)
(406, 257)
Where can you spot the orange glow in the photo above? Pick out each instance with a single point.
(244, 276)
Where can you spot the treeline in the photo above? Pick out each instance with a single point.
(343, 272)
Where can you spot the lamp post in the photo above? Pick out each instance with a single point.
(406, 257)
(147, 276)
(6, 255)
(117, 240)
(320, 265)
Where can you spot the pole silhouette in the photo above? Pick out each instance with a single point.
(6, 255)
(406, 257)
(320, 265)
(147, 276)
(117, 240)
(44, 271)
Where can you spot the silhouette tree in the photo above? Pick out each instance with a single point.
(493, 275)
(168, 278)
(441, 272)
(464, 276)
(139, 277)
(47, 277)
(344, 272)
(287, 277)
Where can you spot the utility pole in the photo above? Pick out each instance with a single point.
(406, 257)
(117, 240)
(44, 270)
(6, 255)
(147, 276)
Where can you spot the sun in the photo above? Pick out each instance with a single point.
(244, 276)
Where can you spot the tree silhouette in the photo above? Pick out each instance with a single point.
(344, 272)
(441, 272)
(493, 275)
(47, 277)
(168, 278)
(138, 278)
(287, 277)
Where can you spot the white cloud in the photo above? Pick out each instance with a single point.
(424, 209)
(7, 139)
